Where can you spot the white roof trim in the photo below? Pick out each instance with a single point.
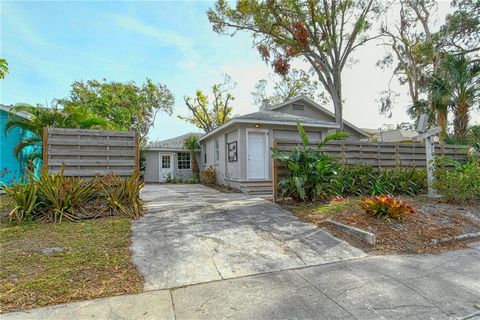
(316, 105)
(170, 150)
(285, 123)
(8, 109)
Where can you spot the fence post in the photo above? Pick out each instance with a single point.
(137, 153)
(275, 174)
(45, 148)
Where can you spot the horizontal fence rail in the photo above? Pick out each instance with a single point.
(380, 156)
(88, 153)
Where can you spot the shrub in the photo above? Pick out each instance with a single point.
(386, 207)
(123, 195)
(208, 176)
(55, 197)
(358, 180)
(309, 172)
(26, 199)
(460, 183)
(62, 195)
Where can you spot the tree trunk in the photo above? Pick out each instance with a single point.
(461, 119)
(337, 98)
(442, 121)
(195, 169)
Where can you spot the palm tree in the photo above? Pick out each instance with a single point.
(457, 85)
(38, 117)
(191, 143)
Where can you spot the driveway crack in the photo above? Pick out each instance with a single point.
(212, 256)
(288, 247)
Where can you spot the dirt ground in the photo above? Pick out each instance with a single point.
(432, 220)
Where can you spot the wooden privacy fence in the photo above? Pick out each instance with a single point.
(87, 153)
(378, 155)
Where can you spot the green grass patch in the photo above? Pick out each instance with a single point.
(95, 262)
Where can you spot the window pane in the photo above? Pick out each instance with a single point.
(183, 160)
(217, 150)
(166, 162)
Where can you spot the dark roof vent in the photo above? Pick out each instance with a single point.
(298, 107)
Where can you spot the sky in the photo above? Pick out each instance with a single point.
(51, 44)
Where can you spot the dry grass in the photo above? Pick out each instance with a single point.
(95, 262)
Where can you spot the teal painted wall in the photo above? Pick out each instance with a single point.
(11, 168)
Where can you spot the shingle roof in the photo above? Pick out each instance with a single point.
(175, 143)
(397, 135)
(267, 115)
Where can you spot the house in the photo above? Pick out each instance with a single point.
(11, 167)
(240, 149)
(169, 159)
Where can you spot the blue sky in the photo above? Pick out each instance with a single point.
(51, 44)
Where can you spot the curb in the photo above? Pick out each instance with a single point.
(360, 234)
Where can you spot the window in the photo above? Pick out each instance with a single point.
(205, 157)
(183, 160)
(297, 107)
(165, 162)
(217, 150)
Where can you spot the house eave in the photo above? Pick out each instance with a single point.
(285, 123)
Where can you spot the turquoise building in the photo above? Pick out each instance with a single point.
(11, 167)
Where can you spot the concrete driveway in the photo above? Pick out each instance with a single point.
(193, 234)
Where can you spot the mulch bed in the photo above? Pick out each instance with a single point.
(432, 220)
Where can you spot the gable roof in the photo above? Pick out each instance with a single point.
(273, 117)
(270, 116)
(320, 108)
(172, 144)
(8, 109)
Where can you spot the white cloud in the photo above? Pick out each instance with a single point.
(183, 44)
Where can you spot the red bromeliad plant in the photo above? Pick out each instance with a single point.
(386, 207)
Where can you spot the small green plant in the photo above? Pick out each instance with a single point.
(386, 207)
(26, 198)
(123, 195)
(62, 195)
(458, 182)
(309, 171)
(209, 176)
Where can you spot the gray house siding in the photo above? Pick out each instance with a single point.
(310, 111)
(152, 165)
(235, 173)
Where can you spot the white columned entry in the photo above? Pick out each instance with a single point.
(257, 154)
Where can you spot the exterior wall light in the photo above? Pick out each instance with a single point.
(257, 125)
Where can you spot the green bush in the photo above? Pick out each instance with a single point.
(460, 183)
(55, 197)
(309, 172)
(209, 176)
(358, 180)
(123, 195)
(27, 201)
(62, 195)
(386, 207)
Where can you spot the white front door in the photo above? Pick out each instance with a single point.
(165, 167)
(256, 155)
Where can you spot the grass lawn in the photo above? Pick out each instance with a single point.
(432, 220)
(94, 262)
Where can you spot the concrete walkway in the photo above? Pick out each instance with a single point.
(438, 286)
(194, 234)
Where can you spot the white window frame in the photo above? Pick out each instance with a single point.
(184, 161)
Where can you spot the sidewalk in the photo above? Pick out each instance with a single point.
(437, 286)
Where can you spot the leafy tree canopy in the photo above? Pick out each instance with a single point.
(296, 82)
(207, 113)
(126, 106)
(323, 33)
(3, 68)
